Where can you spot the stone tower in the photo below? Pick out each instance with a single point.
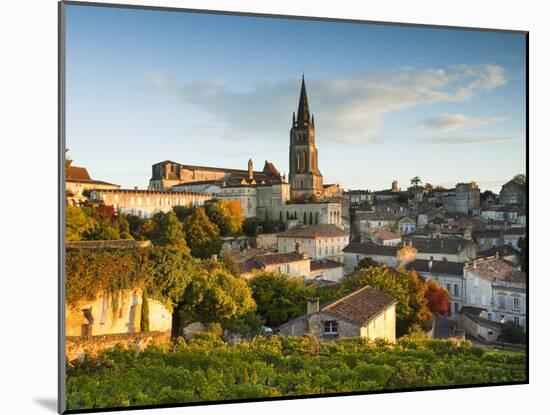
(304, 175)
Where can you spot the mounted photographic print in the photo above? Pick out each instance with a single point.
(258, 207)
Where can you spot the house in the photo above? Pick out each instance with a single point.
(444, 249)
(449, 275)
(512, 236)
(406, 225)
(294, 263)
(355, 252)
(318, 241)
(429, 216)
(326, 270)
(366, 220)
(506, 252)
(78, 180)
(488, 238)
(474, 321)
(499, 287)
(365, 312)
(513, 193)
(356, 197)
(380, 236)
(466, 198)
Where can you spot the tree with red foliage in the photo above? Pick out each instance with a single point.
(438, 298)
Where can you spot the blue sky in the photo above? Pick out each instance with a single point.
(390, 102)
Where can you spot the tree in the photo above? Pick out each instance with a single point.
(183, 211)
(227, 215)
(250, 227)
(230, 264)
(216, 296)
(280, 297)
(512, 333)
(144, 317)
(203, 236)
(520, 179)
(437, 297)
(367, 262)
(415, 181)
(168, 277)
(406, 255)
(77, 223)
(171, 233)
(429, 187)
(404, 286)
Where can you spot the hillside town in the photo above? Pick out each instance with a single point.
(470, 242)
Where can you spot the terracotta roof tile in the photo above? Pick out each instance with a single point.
(313, 231)
(360, 306)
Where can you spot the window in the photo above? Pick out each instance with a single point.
(288, 268)
(501, 301)
(476, 282)
(448, 288)
(331, 328)
(515, 303)
(456, 306)
(472, 298)
(483, 299)
(132, 200)
(455, 289)
(516, 321)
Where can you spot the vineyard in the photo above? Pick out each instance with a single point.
(208, 369)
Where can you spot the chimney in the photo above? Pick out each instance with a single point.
(430, 265)
(312, 306)
(250, 169)
(475, 263)
(298, 248)
(496, 254)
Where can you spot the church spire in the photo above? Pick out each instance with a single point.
(303, 106)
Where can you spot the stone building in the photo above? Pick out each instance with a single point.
(513, 193)
(304, 176)
(355, 252)
(317, 213)
(365, 312)
(294, 263)
(499, 287)
(465, 200)
(444, 249)
(78, 180)
(475, 322)
(167, 174)
(323, 241)
(145, 203)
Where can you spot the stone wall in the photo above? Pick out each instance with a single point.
(108, 315)
(78, 347)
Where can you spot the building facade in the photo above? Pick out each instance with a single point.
(497, 286)
(365, 313)
(324, 241)
(145, 203)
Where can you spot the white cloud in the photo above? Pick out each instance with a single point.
(348, 109)
(452, 122)
(473, 139)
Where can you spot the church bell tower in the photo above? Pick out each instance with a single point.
(304, 175)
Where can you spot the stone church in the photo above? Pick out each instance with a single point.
(304, 176)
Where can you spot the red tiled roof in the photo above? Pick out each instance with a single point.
(498, 270)
(324, 264)
(360, 306)
(78, 174)
(313, 231)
